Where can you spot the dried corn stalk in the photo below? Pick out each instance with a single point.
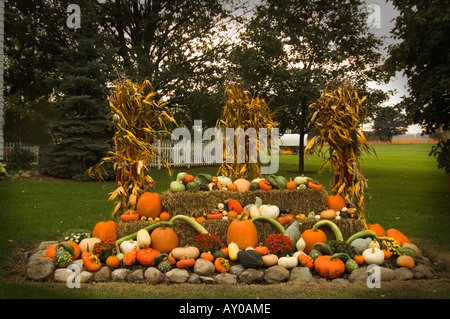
(243, 112)
(337, 117)
(138, 119)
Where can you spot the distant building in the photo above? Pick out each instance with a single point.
(292, 141)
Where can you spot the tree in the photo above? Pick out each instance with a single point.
(389, 122)
(422, 54)
(81, 131)
(179, 46)
(294, 49)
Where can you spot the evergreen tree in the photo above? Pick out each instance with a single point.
(81, 132)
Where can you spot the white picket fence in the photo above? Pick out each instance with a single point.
(178, 156)
(8, 149)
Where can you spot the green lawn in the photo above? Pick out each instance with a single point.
(408, 192)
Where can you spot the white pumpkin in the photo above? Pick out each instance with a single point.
(288, 262)
(270, 211)
(225, 180)
(373, 256)
(143, 238)
(128, 245)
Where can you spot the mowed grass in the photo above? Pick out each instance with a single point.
(407, 192)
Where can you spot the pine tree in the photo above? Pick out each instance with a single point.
(82, 131)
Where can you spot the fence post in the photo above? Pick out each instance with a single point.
(159, 157)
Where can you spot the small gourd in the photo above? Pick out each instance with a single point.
(233, 250)
(361, 244)
(301, 244)
(143, 238)
(63, 257)
(270, 260)
(165, 265)
(128, 245)
(288, 262)
(373, 256)
(254, 211)
(374, 244)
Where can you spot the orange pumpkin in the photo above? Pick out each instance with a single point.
(235, 205)
(405, 261)
(291, 185)
(377, 229)
(312, 236)
(359, 259)
(113, 262)
(242, 232)
(387, 254)
(105, 231)
(164, 216)
(188, 178)
(149, 205)
(164, 239)
(232, 187)
(335, 202)
(397, 235)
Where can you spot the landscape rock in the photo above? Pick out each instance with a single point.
(204, 267)
(194, 279)
(177, 275)
(237, 270)
(252, 276)
(422, 271)
(119, 274)
(136, 276)
(403, 273)
(293, 231)
(225, 279)
(62, 274)
(276, 274)
(301, 274)
(153, 276)
(40, 268)
(103, 274)
(207, 279)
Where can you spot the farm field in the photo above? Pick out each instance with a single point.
(407, 192)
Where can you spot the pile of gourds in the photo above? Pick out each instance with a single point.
(207, 182)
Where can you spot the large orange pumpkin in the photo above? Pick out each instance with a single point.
(149, 205)
(164, 239)
(335, 202)
(105, 231)
(377, 229)
(312, 236)
(242, 232)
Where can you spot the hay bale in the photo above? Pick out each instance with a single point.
(299, 201)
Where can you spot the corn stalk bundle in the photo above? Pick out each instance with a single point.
(337, 117)
(242, 111)
(137, 118)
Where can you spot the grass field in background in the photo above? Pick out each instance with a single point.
(407, 192)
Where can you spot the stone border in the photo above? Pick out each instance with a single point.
(41, 268)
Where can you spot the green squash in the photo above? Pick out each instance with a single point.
(350, 263)
(254, 186)
(63, 257)
(250, 259)
(163, 265)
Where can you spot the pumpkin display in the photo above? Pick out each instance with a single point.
(397, 235)
(164, 239)
(335, 202)
(243, 233)
(329, 268)
(242, 184)
(146, 256)
(149, 205)
(105, 231)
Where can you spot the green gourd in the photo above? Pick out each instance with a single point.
(63, 257)
(163, 265)
(350, 263)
